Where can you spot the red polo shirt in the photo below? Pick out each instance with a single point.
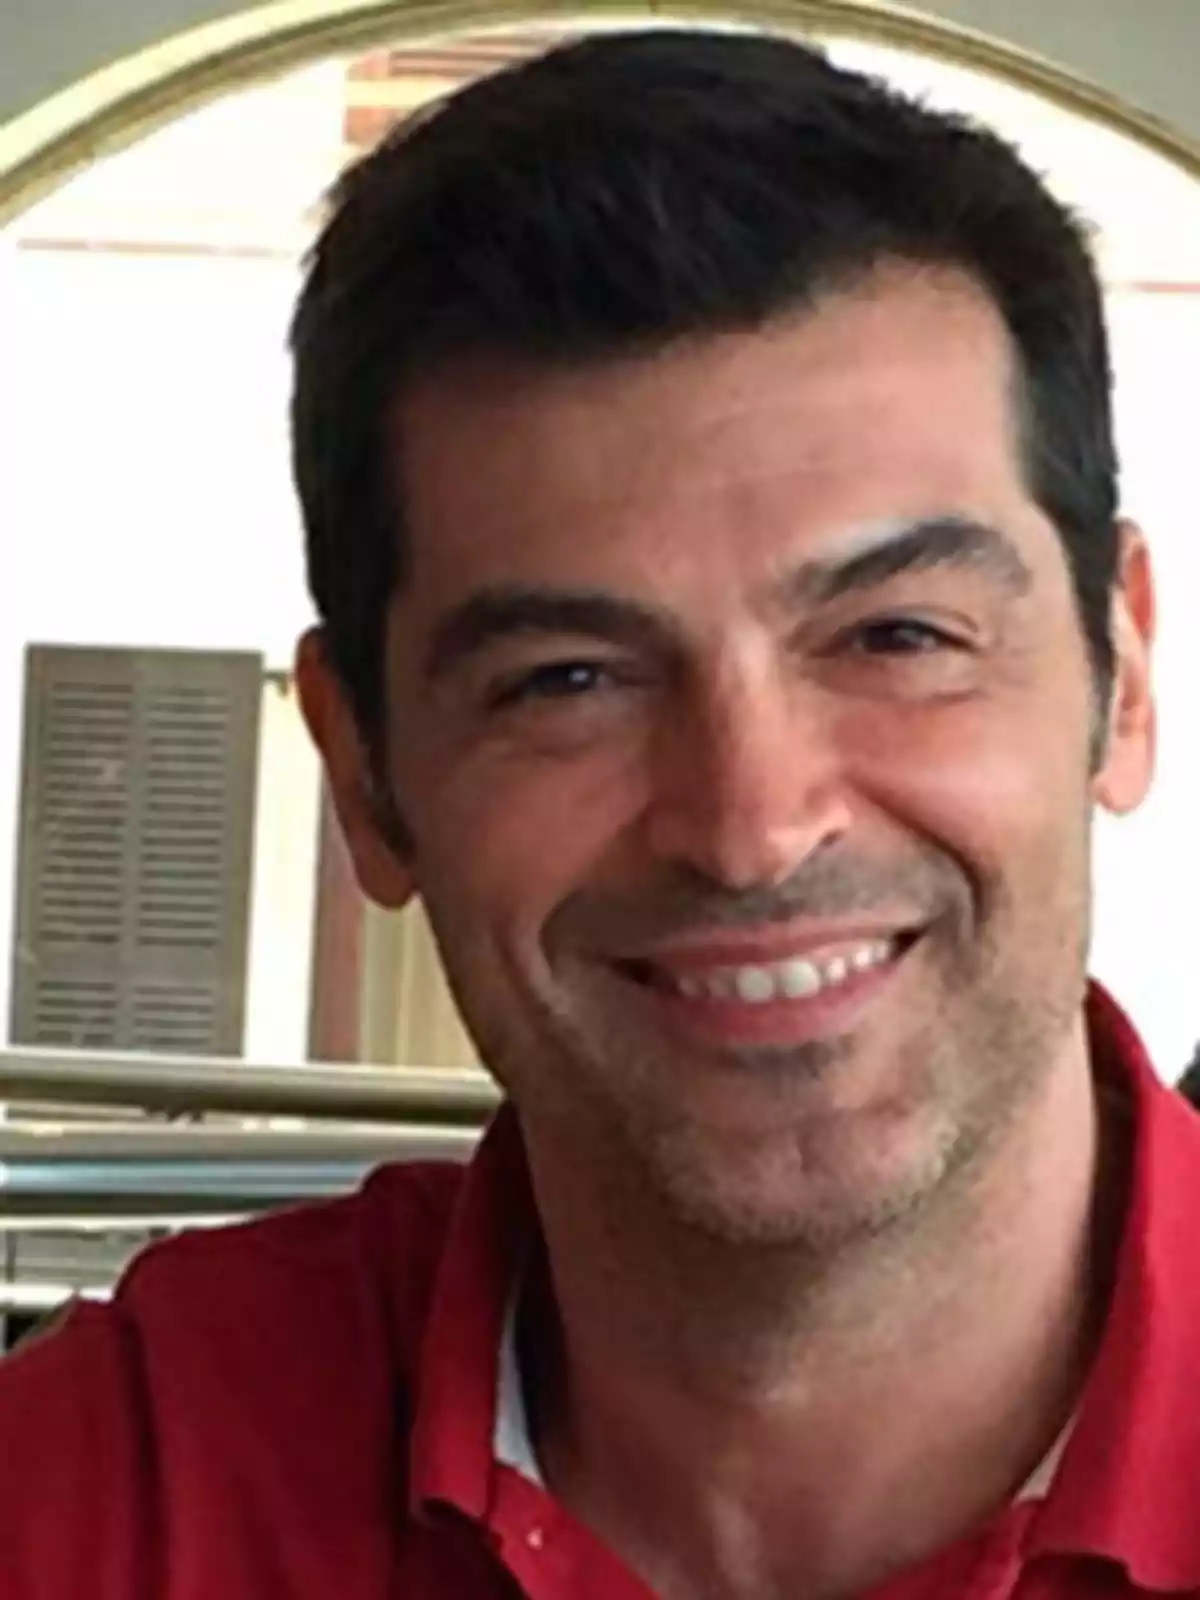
(303, 1408)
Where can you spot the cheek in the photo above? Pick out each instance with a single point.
(506, 840)
(996, 784)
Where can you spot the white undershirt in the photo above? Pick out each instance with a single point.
(512, 1441)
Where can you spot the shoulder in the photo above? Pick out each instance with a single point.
(296, 1293)
(378, 1246)
(70, 1398)
(301, 1328)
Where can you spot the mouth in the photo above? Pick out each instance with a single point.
(785, 997)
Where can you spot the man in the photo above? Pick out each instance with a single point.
(728, 631)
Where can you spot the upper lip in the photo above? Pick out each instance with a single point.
(764, 946)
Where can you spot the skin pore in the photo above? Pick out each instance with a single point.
(742, 726)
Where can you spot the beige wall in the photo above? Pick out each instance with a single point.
(1145, 51)
(408, 1017)
(283, 890)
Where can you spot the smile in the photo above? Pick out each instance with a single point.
(731, 985)
(794, 978)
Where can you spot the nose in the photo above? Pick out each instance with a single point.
(747, 780)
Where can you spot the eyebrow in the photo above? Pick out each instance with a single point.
(507, 611)
(944, 541)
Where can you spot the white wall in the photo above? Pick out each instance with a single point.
(145, 486)
(1148, 865)
(145, 501)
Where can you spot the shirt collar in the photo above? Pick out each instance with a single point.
(492, 1225)
(1127, 1487)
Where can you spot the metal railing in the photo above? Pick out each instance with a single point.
(102, 1152)
(181, 1087)
(50, 1173)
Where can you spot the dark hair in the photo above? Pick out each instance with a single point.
(633, 188)
(1189, 1084)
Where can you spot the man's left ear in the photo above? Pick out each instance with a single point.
(1126, 764)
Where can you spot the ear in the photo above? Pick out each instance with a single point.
(1127, 767)
(380, 862)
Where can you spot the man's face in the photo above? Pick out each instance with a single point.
(740, 716)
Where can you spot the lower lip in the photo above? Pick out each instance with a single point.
(830, 1013)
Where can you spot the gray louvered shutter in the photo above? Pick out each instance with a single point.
(137, 816)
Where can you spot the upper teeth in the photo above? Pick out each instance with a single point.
(796, 978)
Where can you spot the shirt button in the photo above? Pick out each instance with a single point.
(535, 1538)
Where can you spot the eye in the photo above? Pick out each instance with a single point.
(552, 680)
(900, 636)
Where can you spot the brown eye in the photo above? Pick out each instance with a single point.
(552, 680)
(900, 636)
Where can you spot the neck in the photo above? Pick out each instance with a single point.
(737, 1423)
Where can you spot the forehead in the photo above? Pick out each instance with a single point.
(888, 401)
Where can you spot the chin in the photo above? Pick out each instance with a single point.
(818, 1201)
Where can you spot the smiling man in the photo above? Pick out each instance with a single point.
(728, 631)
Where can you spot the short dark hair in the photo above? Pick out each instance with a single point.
(1189, 1084)
(630, 189)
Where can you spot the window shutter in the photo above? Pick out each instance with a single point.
(137, 814)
